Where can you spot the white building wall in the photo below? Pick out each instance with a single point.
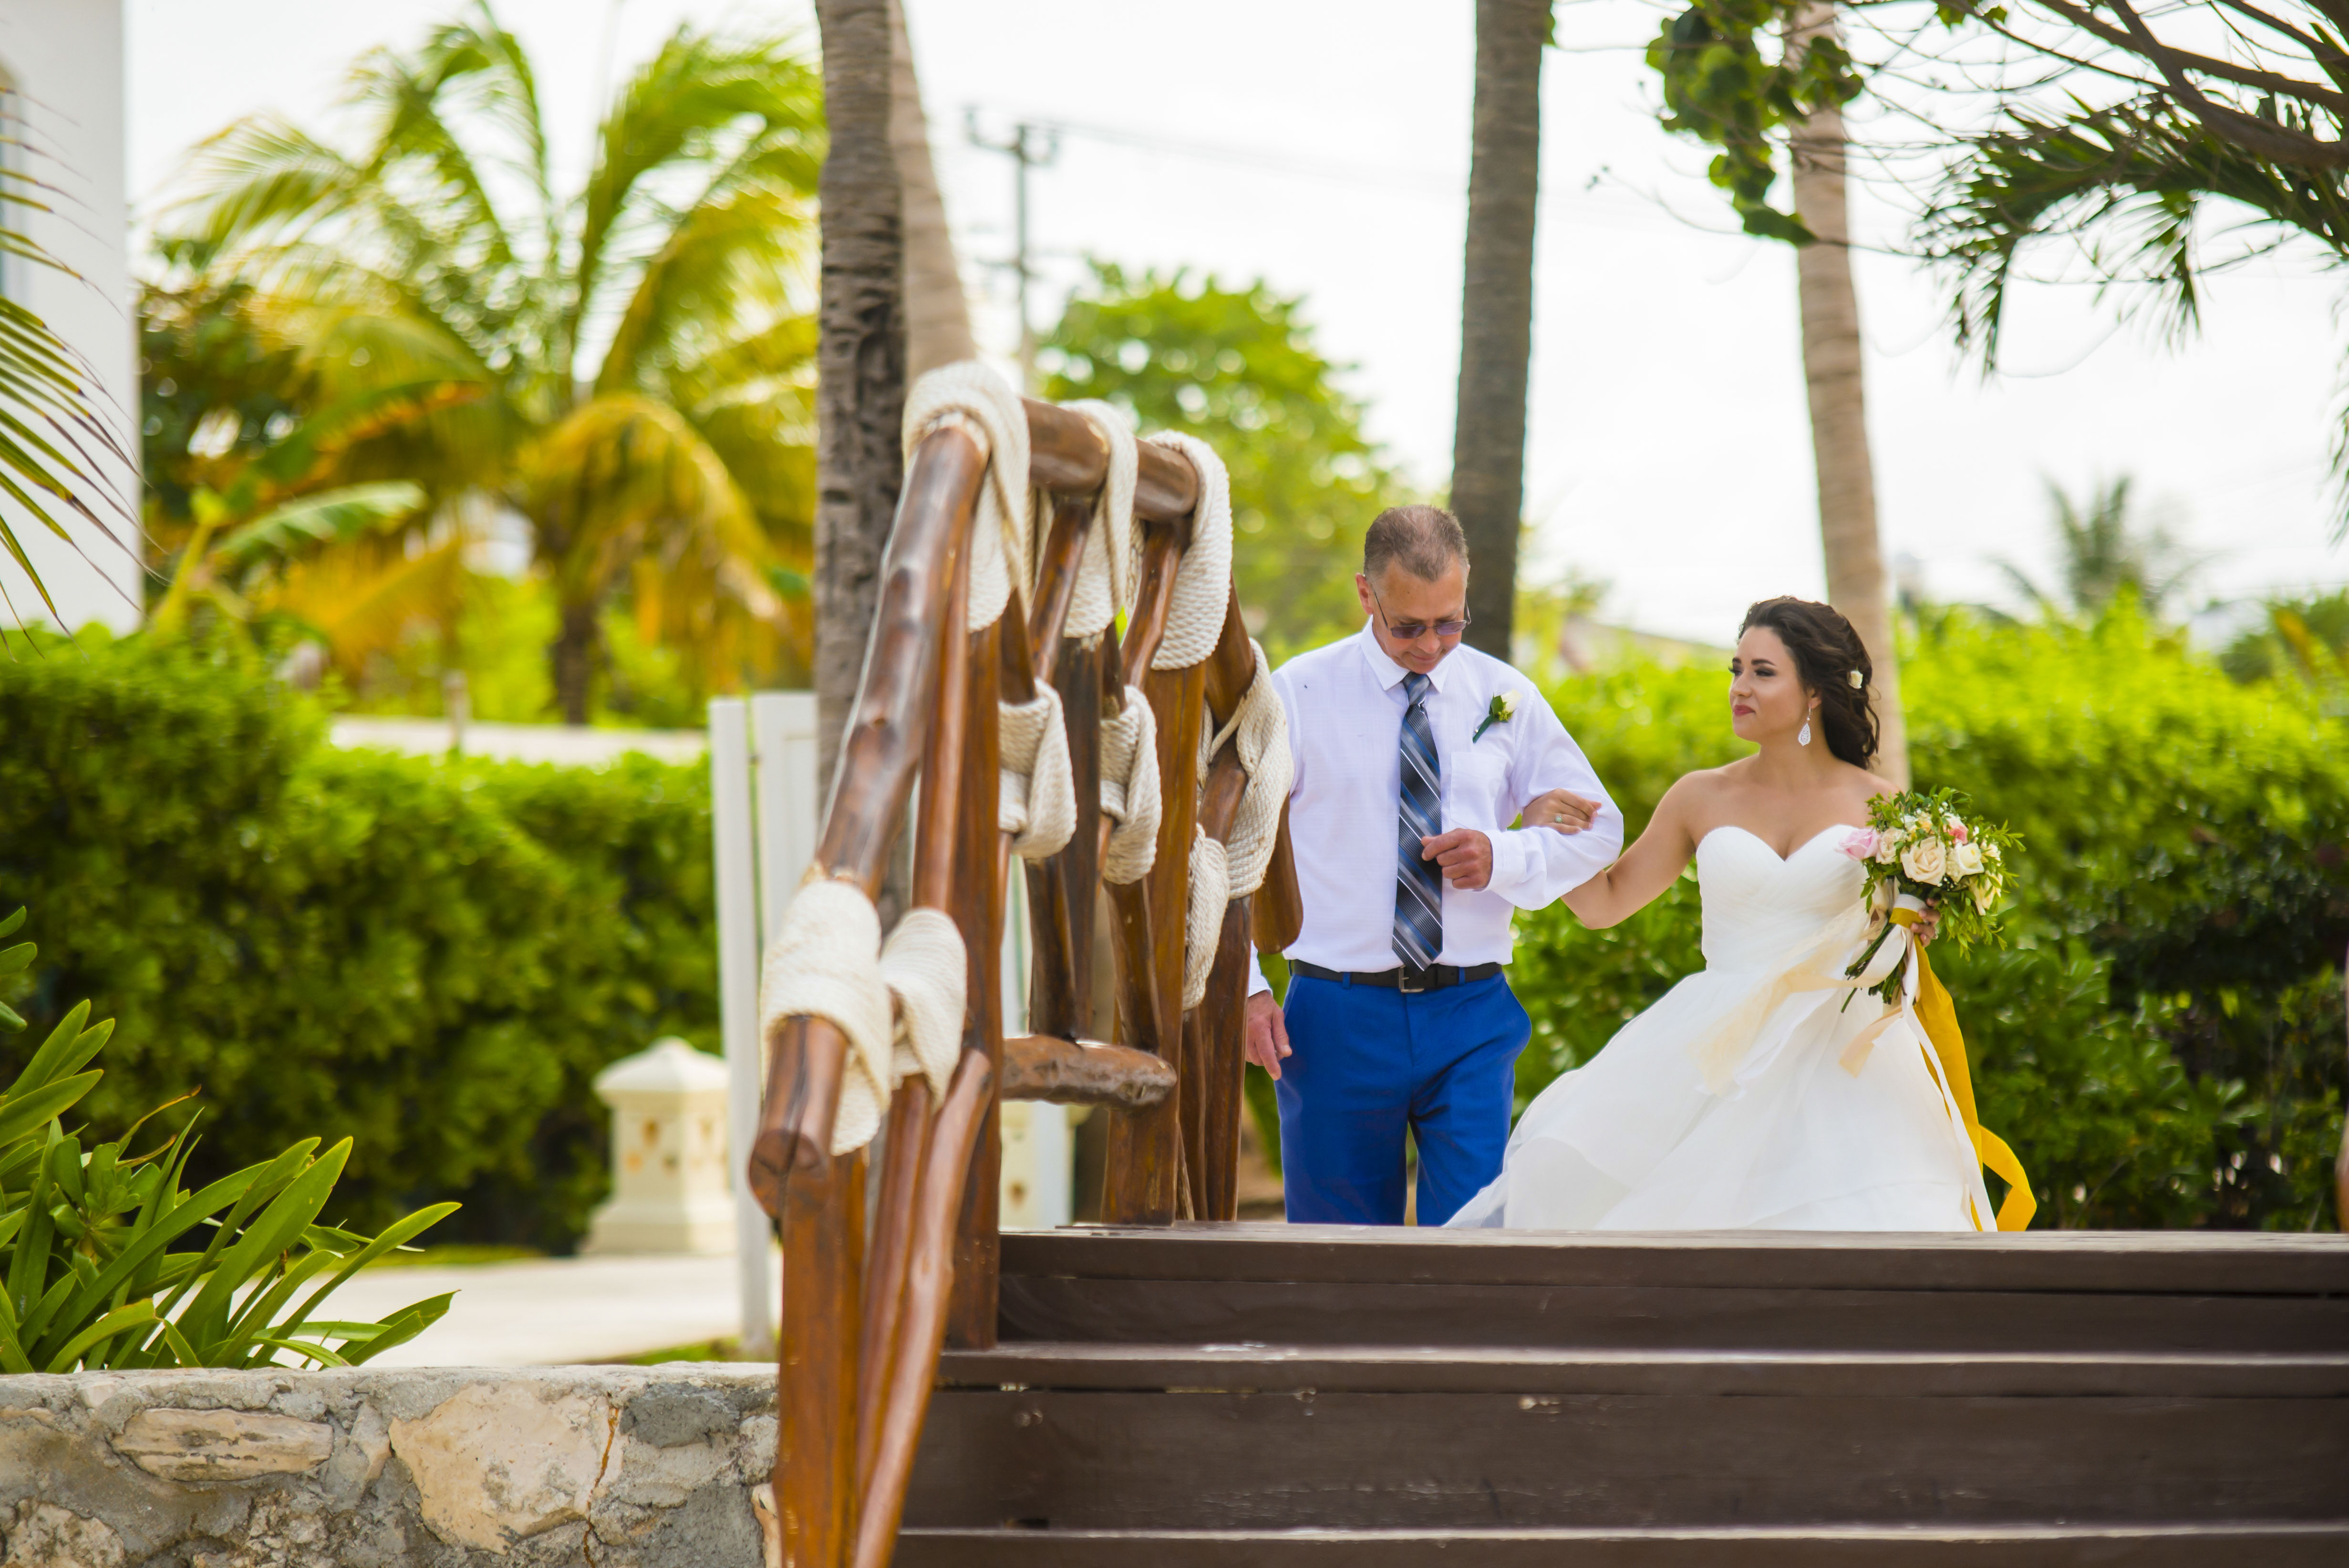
(65, 58)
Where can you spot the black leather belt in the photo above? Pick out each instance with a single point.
(1434, 977)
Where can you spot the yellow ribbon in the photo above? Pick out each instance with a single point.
(1938, 1016)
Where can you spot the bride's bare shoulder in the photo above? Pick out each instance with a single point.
(1876, 784)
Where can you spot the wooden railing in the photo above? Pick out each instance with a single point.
(866, 1307)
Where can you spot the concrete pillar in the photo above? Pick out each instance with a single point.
(669, 1154)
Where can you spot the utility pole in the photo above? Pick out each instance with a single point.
(1032, 145)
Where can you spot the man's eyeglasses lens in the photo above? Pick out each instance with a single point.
(1412, 631)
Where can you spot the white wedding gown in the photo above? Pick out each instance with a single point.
(1726, 1105)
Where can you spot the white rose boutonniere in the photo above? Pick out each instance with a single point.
(1500, 710)
(1925, 860)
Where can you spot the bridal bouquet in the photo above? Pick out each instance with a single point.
(1923, 855)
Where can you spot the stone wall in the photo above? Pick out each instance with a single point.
(613, 1466)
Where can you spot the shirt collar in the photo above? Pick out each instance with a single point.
(1387, 672)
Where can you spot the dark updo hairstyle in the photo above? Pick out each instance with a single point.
(1827, 653)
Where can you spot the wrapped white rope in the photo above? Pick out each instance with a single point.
(1111, 559)
(927, 970)
(900, 1006)
(968, 391)
(1038, 801)
(1129, 791)
(1203, 584)
(1258, 731)
(1203, 922)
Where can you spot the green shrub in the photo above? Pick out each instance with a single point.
(89, 1277)
(433, 958)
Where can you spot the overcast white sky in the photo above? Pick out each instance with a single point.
(1670, 450)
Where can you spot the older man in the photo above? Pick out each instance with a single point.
(1414, 756)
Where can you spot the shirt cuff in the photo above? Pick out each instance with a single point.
(1256, 982)
(1515, 863)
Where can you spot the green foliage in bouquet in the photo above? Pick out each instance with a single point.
(89, 1277)
(1921, 847)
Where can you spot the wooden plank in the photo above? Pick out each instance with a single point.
(979, 911)
(905, 1142)
(1140, 1183)
(929, 1298)
(1056, 577)
(1221, 1019)
(1761, 1374)
(1279, 914)
(1292, 1459)
(1227, 1312)
(1061, 891)
(1729, 1546)
(1066, 457)
(1082, 1072)
(814, 1479)
(880, 753)
(2191, 1262)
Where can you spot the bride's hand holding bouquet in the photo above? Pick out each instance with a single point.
(1931, 869)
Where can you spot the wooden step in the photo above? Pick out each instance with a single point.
(1096, 1436)
(2088, 1291)
(2025, 1546)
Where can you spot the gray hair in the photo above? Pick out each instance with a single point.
(1422, 540)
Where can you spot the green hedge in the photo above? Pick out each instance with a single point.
(433, 958)
(2162, 1042)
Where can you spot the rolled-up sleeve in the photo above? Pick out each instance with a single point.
(1538, 866)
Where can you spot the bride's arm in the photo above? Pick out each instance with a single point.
(1644, 871)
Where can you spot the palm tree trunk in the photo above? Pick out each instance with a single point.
(1497, 308)
(573, 657)
(860, 354)
(937, 317)
(1858, 583)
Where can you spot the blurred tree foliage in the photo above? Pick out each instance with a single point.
(2162, 1041)
(2104, 550)
(621, 375)
(2307, 637)
(1237, 369)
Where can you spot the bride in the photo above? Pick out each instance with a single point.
(1724, 1106)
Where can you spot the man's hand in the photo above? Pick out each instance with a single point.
(1465, 855)
(1562, 809)
(1267, 1033)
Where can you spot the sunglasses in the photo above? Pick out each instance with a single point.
(1412, 631)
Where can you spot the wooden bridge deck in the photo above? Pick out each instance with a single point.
(1293, 1395)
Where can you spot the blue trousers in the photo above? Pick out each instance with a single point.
(1365, 1064)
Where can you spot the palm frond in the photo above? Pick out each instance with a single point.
(326, 517)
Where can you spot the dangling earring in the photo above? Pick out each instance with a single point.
(1803, 736)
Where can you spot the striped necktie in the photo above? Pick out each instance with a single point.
(1419, 884)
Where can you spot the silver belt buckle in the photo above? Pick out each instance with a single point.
(1403, 975)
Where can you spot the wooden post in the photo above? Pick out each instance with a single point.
(979, 911)
(1060, 891)
(817, 1196)
(905, 1147)
(1139, 1186)
(815, 1373)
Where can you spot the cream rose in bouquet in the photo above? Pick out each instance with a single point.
(1927, 861)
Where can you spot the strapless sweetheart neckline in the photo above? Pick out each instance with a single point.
(1782, 860)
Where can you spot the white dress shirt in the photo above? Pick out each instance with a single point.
(1345, 704)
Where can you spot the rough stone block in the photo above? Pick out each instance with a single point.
(223, 1445)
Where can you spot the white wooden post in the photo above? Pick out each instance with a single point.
(762, 775)
(738, 1002)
